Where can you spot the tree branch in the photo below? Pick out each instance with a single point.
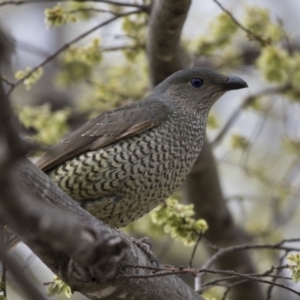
(116, 3)
(163, 47)
(67, 45)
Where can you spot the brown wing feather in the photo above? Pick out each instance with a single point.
(105, 129)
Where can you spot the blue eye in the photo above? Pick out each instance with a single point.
(196, 82)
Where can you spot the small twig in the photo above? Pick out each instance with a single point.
(230, 286)
(243, 247)
(278, 270)
(116, 3)
(172, 271)
(92, 9)
(194, 249)
(6, 81)
(124, 47)
(218, 281)
(67, 45)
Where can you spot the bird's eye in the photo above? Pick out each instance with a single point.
(196, 82)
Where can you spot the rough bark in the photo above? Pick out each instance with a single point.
(202, 187)
(163, 43)
(89, 279)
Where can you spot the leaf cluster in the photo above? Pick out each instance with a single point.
(58, 16)
(294, 265)
(58, 287)
(78, 63)
(32, 79)
(49, 126)
(176, 219)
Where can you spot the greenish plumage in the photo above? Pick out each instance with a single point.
(123, 163)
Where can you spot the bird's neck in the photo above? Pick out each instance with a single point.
(193, 113)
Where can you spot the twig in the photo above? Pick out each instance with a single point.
(6, 81)
(243, 247)
(229, 287)
(215, 282)
(116, 3)
(278, 270)
(172, 271)
(194, 249)
(67, 45)
(92, 9)
(252, 278)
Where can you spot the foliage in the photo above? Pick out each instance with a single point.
(294, 265)
(222, 30)
(113, 90)
(212, 121)
(176, 219)
(273, 62)
(50, 126)
(30, 80)
(58, 287)
(57, 16)
(239, 142)
(135, 29)
(78, 63)
(257, 18)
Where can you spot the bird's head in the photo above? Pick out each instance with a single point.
(197, 88)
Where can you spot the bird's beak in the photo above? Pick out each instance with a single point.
(234, 83)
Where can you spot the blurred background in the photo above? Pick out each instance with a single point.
(254, 132)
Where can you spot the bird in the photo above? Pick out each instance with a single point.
(123, 163)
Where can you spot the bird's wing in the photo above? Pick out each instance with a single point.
(105, 129)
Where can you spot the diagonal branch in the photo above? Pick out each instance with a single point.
(116, 3)
(67, 45)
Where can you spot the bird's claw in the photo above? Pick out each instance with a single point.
(145, 245)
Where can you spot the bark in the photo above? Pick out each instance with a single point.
(163, 43)
(202, 186)
(98, 273)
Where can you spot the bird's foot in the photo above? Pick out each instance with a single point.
(145, 245)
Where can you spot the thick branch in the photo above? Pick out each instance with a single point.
(165, 25)
(44, 189)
